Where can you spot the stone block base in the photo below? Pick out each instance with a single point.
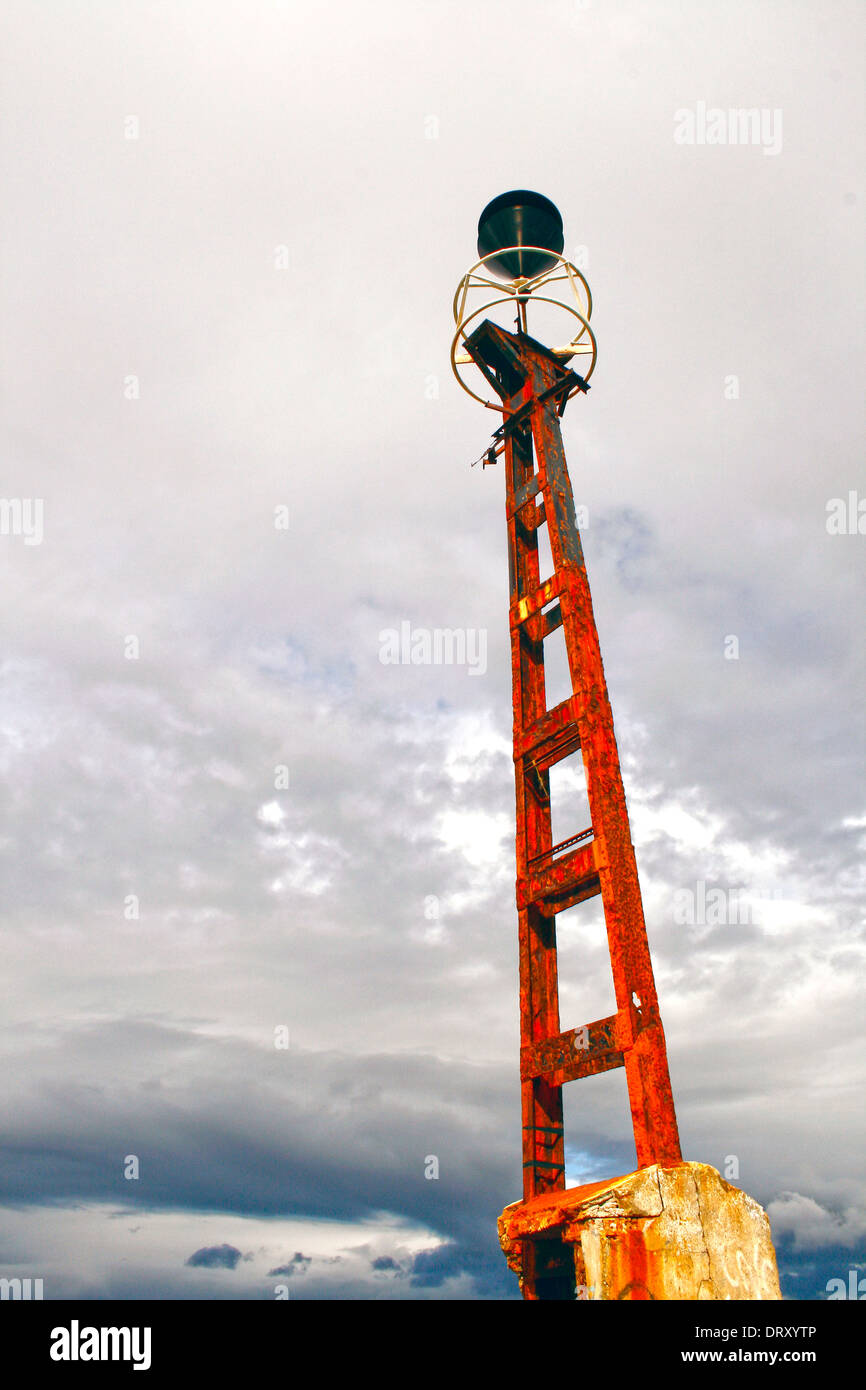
(660, 1233)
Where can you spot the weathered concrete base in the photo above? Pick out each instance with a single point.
(660, 1233)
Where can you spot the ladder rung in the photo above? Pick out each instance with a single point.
(555, 901)
(579, 1052)
(548, 854)
(527, 490)
(563, 883)
(543, 738)
(576, 1070)
(537, 519)
(533, 603)
(540, 625)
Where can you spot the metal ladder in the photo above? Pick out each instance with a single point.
(533, 386)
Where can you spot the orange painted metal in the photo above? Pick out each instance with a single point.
(533, 386)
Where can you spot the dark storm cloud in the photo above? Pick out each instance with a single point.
(336, 1135)
(431, 1268)
(297, 1265)
(215, 1257)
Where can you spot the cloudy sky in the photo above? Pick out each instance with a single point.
(237, 456)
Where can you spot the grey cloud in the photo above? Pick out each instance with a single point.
(215, 1257)
(158, 927)
(297, 1265)
(812, 1227)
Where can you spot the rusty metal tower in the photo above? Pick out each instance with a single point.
(521, 243)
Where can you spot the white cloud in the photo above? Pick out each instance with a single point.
(812, 1226)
